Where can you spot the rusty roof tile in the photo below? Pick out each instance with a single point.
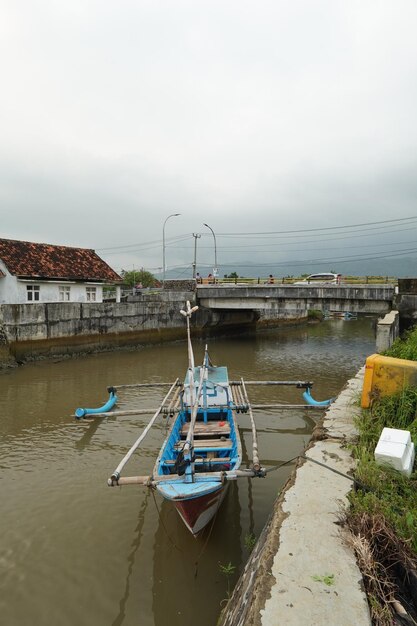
(41, 260)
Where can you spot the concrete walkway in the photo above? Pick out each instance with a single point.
(302, 571)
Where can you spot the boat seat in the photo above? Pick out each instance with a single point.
(218, 460)
(212, 444)
(207, 429)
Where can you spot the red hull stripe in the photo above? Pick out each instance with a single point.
(191, 510)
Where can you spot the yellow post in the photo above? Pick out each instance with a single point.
(385, 375)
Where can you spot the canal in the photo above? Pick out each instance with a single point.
(74, 551)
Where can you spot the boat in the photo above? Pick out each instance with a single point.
(343, 315)
(202, 452)
(203, 445)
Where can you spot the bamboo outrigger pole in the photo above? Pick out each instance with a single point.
(294, 383)
(116, 474)
(255, 457)
(149, 481)
(172, 408)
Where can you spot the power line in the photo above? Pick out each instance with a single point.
(325, 260)
(144, 247)
(291, 243)
(327, 228)
(156, 243)
(277, 234)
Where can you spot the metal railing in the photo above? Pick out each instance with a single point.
(287, 280)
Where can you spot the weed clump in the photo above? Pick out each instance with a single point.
(404, 347)
(383, 513)
(314, 315)
(388, 567)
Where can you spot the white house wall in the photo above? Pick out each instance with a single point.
(9, 289)
(13, 291)
(49, 292)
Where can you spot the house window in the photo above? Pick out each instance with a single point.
(91, 294)
(64, 294)
(32, 293)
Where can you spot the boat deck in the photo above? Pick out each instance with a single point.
(213, 446)
(207, 429)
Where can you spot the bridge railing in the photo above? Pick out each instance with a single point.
(289, 280)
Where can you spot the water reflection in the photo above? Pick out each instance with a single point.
(136, 542)
(73, 551)
(188, 583)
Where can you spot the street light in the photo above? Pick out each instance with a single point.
(163, 245)
(215, 253)
(196, 236)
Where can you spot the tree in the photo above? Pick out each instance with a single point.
(136, 277)
(232, 275)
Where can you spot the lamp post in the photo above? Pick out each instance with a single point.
(215, 272)
(163, 245)
(196, 236)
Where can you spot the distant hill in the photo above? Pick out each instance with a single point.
(399, 267)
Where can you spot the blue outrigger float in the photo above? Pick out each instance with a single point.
(202, 451)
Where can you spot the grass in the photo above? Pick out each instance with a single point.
(383, 508)
(314, 314)
(405, 347)
(382, 490)
(327, 579)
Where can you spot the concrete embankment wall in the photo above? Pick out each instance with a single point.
(46, 329)
(31, 331)
(387, 331)
(302, 543)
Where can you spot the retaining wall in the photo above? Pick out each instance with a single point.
(47, 329)
(387, 331)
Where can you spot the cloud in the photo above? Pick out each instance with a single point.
(113, 116)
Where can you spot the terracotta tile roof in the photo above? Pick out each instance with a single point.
(41, 260)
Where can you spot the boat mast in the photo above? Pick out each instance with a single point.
(188, 449)
(187, 314)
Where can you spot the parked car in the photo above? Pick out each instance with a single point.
(319, 279)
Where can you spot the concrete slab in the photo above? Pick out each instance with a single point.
(302, 570)
(312, 549)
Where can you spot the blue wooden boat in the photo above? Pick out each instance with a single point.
(202, 451)
(203, 447)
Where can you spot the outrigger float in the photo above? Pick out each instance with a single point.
(202, 451)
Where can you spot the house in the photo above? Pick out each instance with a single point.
(40, 272)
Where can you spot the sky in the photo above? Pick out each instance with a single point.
(276, 117)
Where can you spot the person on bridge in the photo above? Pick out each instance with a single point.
(271, 280)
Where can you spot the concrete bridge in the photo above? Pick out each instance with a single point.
(266, 303)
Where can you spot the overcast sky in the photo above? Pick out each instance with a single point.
(264, 116)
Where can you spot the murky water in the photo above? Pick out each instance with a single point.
(75, 552)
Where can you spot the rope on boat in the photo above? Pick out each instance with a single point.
(355, 481)
(206, 542)
(162, 521)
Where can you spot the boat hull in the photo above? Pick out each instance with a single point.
(196, 513)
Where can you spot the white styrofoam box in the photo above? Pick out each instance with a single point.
(396, 449)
